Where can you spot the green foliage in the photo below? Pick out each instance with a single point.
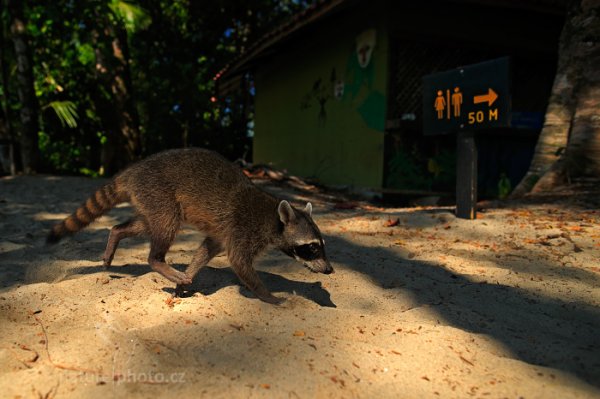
(504, 186)
(58, 154)
(89, 172)
(85, 53)
(445, 175)
(131, 15)
(411, 170)
(172, 49)
(405, 172)
(66, 112)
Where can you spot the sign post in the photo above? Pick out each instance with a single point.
(466, 176)
(464, 101)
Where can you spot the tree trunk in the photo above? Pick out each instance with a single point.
(29, 111)
(114, 100)
(6, 127)
(569, 144)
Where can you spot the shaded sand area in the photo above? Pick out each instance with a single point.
(504, 306)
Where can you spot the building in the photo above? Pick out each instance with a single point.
(339, 88)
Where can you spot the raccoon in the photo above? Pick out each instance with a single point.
(200, 187)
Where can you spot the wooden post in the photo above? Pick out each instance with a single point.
(466, 176)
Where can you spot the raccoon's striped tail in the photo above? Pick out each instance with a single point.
(103, 200)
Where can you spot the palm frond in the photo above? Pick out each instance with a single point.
(66, 112)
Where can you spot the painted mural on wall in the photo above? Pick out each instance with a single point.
(322, 91)
(354, 88)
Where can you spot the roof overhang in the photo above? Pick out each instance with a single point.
(229, 78)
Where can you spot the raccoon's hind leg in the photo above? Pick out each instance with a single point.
(208, 250)
(132, 227)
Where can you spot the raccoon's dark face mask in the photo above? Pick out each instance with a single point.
(308, 252)
(312, 256)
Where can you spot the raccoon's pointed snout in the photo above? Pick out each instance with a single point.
(322, 266)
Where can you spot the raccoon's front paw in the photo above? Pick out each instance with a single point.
(274, 300)
(178, 277)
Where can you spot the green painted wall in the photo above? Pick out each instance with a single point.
(341, 142)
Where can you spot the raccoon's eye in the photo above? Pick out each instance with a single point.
(308, 251)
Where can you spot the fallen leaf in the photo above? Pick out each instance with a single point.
(466, 361)
(392, 223)
(35, 354)
(170, 301)
(345, 205)
(338, 380)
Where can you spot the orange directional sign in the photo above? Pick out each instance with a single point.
(473, 97)
(489, 98)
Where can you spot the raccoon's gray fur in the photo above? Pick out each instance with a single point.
(202, 188)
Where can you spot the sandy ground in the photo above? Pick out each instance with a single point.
(503, 306)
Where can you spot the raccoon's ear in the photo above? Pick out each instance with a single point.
(286, 213)
(308, 208)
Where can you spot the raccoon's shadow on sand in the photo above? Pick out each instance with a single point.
(211, 279)
(208, 280)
